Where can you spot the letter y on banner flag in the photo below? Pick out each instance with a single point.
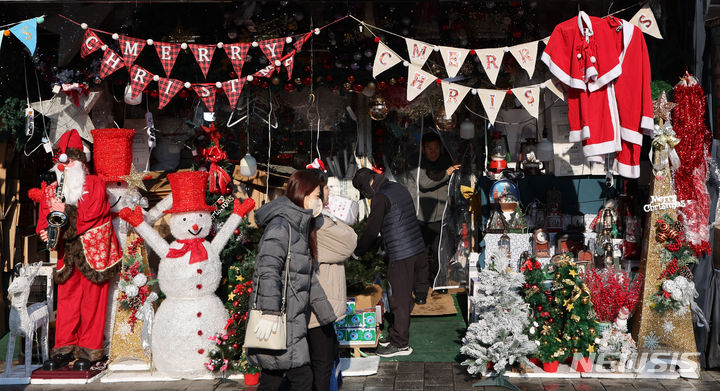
(168, 89)
(167, 53)
(139, 79)
(26, 32)
(273, 49)
(418, 81)
(529, 97)
(206, 92)
(385, 59)
(491, 60)
(491, 101)
(453, 95)
(130, 48)
(645, 20)
(232, 89)
(419, 51)
(237, 52)
(90, 44)
(203, 55)
(453, 58)
(526, 56)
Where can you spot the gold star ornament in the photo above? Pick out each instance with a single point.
(662, 109)
(134, 178)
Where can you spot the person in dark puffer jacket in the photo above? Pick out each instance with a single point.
(289, 218)
(392, 214)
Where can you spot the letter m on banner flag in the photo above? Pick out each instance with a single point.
(130, 48)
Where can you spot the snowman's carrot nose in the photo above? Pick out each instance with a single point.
(195, 227)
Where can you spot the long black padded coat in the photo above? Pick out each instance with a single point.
(304, 294)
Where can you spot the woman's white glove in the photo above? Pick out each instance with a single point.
(267, 325)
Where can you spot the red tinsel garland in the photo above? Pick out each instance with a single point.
(611, 290)
(689, 125)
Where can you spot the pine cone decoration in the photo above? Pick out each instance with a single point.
(685, 272)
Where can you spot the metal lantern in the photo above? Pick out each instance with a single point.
(442, 122)
(378, 108)
(248, 166)
(504, 244)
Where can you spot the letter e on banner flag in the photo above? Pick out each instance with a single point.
(453, 58)
(167, 53)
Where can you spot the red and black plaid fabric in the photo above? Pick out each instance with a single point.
(168, 88)
(236, 53)
(130, 48)
(111, 62)
(90, 43)
(273, 48)
(300, 41)
(167, 53)
(203, 55)
(206, 92)
(288, 63)
(139, 79)
(232, 89)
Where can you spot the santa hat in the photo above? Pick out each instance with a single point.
(188, 192)
(316, 164)
(70, 146)
(113, 153)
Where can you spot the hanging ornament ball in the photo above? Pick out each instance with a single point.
(275, 80)
(307, 81)
(551, 320)
(378, 108)
(289, 87)
(236, 346)
(183, 46)
(250, 78)
(443, 123)
(575, 338)
(183, 94)
(393, 81)
(218, 84)
(150, 42)
(401, 80)
(298, 81)
(83, 26)
(564, 292)
(351, 79)
(358, 87)
(592, 330)
(264, 84)
(236, 232)
(347, 86)
(539, 308)
(575, 350)
(154, 93)
(558, 276)
(585, 300)
(255, 44)
(39, 19)
(381, 85)
(371, 85)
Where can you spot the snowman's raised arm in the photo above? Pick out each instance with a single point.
(239, 211)
(158, 210)
(148, 233)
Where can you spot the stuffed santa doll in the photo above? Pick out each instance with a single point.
(88, 253)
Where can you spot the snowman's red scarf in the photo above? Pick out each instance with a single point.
(197, 250)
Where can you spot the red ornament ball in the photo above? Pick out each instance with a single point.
(377, 39)
(329, 78)
(289, 87)
(351, 79)
(307, 68)
(307, 80)
(381, 85)
(539, 308)
(183, 93)
(358, 87)
(154, 93)
(401, 79)
(233, 74)
(236, 232)
(265, 84)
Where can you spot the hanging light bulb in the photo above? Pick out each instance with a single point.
(248, 166)
(444, 123)
(467, 129)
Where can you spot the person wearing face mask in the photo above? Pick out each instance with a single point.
(289, 218)
(335, 243)
(392, 215)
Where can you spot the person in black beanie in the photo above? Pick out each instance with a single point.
(392, 215)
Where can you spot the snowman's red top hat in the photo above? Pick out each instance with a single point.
(188, 191)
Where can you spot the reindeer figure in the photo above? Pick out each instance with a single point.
(24, 320)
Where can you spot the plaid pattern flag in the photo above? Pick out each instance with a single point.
(139, 79)
(90, 43)
(111, 62)
(167, 53)
(272, 48)
(232, 89)
(203, 55)
(236, 53)
(299, 42)
(168, 88)
(206, 92)
(130, 48)
(288, 63)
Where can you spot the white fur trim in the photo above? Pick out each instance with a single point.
(599, 149)
(575, 136)
(585, 132)
(560, 74)
(647, 125)
(606, 78)
(627, 171)
(631, 136)
(591, 74)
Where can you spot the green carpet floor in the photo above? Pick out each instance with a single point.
(435, 338)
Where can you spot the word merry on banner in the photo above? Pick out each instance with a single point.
(25, 31)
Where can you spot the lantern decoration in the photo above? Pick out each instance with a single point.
(467, 130)
(530, 162)
(444, 123)
(504, 244)
(378, 108)
(248, 166)
(498, 153)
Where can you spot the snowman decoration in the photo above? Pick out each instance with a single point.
(189, 273)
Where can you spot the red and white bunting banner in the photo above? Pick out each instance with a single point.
(111, 62)
(288, 63)
(203, 55)
(556, 87)
(419, 51)
(167, 53)
(300, 41)
(139, 79)
(418, 80)
(237, 53)
(167, 89)
(529, 97)
(645, 20)
(526, 55)
(453, 95)
(206, 92)
(491, 60)
(233, 89)
(453, 58)
(130, 48)
(492, 101)
(273, 49)
(90, 44)
(385, 59)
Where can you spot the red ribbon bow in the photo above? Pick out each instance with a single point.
(219, 179)
(198, 253)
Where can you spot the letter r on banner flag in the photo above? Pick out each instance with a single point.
(237, 53)
(453, 95)
(526, 55)
(139, 79)
(491, 60)
(203, 55)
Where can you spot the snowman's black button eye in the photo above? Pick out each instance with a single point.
(184, 219)
(200, 214)
(119, 184)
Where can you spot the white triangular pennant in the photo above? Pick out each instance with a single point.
(417, 81)
(385, 59)
(526, 55)
(419, 51)
(453, 95)
(645, 20)
(546, 40)
(529, 97)
(453, 58)
(491, 101)
(491, 59)
(556, 88)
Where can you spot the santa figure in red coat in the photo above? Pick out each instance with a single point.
(88, 253)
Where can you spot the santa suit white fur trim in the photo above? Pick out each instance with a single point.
(631, 136)
(560, 74)
(647, 125)
(575, 136)
(626, 170)
(599, 149)
(605, 79)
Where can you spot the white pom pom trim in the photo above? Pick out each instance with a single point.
(277, 63)
(115, 36)
(103, 48)
(150, 42)
(187, 84)
(406, 64)
(156, 78)
(63, 158)
(473, 91)
(317, 31)
(255, 44)
(219, 45)
(183, 46)
(250, 78)
(288, 40)
(83, 26)
(218, 84)
(436, 48)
